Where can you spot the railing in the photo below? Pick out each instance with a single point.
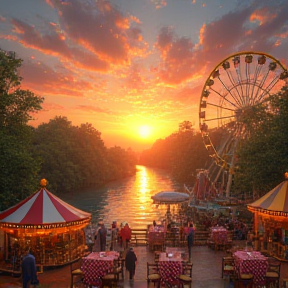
(139, 236)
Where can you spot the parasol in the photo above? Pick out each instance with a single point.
(170, 197)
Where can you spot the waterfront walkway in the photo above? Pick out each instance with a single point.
(206, 272)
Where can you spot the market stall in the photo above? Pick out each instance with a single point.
(53, 229)
(271, 221)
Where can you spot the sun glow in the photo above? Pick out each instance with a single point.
(144, 131)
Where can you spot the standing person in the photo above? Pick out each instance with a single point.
(126, 234)
(130, 262)
(97, 243)
(190, 238)
(103, 234)
(28, 269)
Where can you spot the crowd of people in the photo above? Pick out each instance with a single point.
(239, 228)
(120, 234)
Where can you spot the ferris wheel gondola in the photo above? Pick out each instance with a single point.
(237, 84)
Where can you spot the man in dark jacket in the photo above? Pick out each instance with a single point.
(130, 262)
(28, 269)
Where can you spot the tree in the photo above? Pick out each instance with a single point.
(263, 157)
(18, 168)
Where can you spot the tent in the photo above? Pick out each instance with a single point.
(274, 203)
(271, 221)
(53, 229)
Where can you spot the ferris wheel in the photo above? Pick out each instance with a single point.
(237, 84)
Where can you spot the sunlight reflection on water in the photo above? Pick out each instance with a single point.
(127, 200)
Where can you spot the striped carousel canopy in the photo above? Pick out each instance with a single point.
(274, 202)
(42, 208)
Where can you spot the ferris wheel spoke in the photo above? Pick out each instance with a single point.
(247, 71)
(224, 98)
(260, 87)
(229, 91)
(234, 84)
(269, 87)
(219, 118)
(256, 75)
(240, 80)
(219, 106)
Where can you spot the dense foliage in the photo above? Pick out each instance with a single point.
(263, 157)
(75, 157)
(18, 167)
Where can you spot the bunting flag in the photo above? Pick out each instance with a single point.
(274, 202)
(41, 208)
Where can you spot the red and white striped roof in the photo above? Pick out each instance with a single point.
(42, 208)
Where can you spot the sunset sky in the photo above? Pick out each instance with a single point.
(134, 69)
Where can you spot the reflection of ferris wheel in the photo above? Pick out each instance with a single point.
(235, 85)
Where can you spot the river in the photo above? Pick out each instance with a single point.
(128, 200)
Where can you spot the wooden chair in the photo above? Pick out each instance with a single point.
(186, 277)
(210, 243)
(285, 283)
(75, 271)
(246, 280)
(228, 268)
(119, 267)
(109, 280)
(156, 256)
(153, 274)
(272, 276)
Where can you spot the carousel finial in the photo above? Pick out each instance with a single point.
(43, 183)
(286, 175)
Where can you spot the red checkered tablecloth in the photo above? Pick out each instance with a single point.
(169, 270)
(219, 235)
(96, 266)
(252, 263)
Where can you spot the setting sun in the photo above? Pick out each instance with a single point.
(144, 131)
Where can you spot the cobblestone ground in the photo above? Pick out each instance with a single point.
(206, 272)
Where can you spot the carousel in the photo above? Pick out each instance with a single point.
(271, 221)
(53, 229)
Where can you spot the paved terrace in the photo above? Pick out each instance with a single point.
(206, 272)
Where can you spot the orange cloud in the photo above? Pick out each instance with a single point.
(262, 15)
(201, 33)
(44, 80)
(159, 3)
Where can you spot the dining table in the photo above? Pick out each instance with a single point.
(98, 264)
(251, 262)
(156, 236)
(219, 234)
(170, 266)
